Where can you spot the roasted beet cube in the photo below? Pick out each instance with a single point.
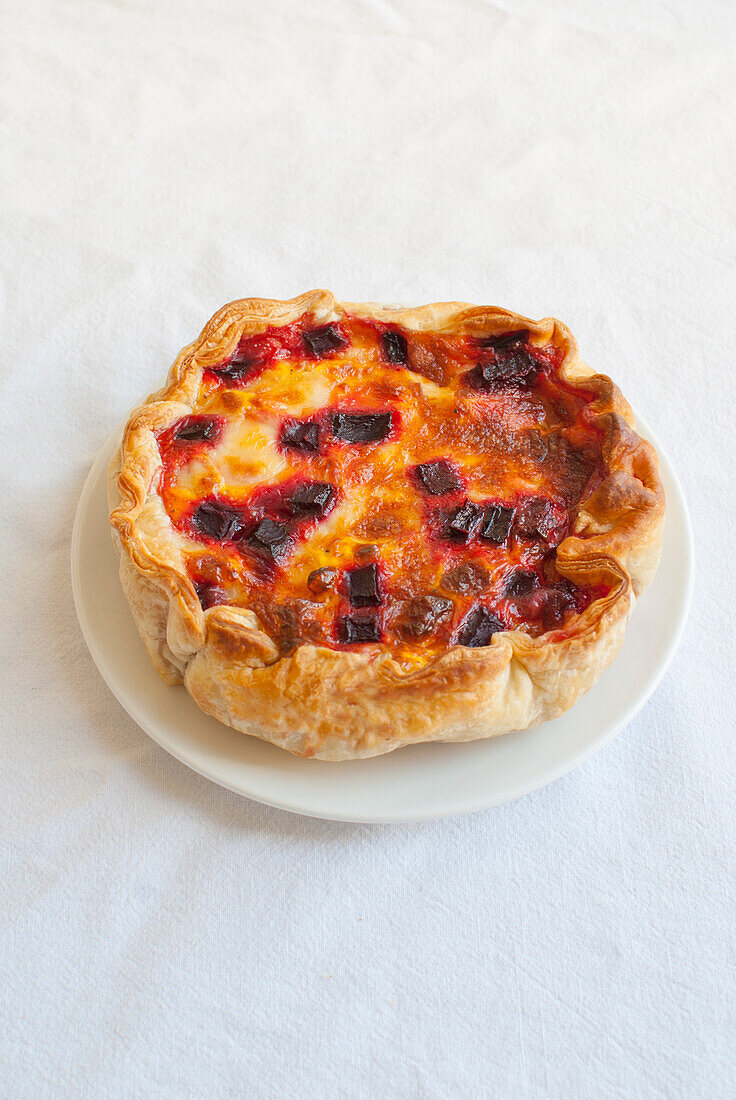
(238, 368)
(520, 583)
(323, 341)
(394, 347)
(506, 362)
(198, 429)
(497, 521)
(437, 478)
(478, 627)
(268, 537)
(514, 368)
(310, 499)
(463, 521)
(362, 586)
(506, 340)
(536, 517)
(210, 595)
(218, 520)
(301, 435)
(361, 427)
(422, 616)
(558, 601)
(359, 628)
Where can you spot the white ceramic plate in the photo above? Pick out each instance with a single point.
(415, 783)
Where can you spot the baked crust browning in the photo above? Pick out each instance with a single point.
(335, 701)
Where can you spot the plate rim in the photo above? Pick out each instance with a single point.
(454, 809)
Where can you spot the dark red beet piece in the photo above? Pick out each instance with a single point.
(310, 499)
(520, 583)
(478, 627)
(506, 340)
(497, 521)
(239, 367)
(558, 602)
(536, 517)
(506, 362)
(437, 478)
(517, 369)
(218, 520)
(268, 537)
(198, 429)
(209, 595)
(463, 521)
(302, 435)
(394, 347)
(359, 628)
(361, 427)
(362, 586)
(323, 341)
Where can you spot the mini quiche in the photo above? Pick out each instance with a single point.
(346, 528)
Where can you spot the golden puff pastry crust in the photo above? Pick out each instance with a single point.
(346, 528)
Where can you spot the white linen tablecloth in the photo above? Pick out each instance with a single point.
(166, 938)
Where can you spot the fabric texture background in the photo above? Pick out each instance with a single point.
(164, 937)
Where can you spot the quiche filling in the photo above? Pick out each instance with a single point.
(356, 482)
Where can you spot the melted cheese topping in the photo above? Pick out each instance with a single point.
(527, 443)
